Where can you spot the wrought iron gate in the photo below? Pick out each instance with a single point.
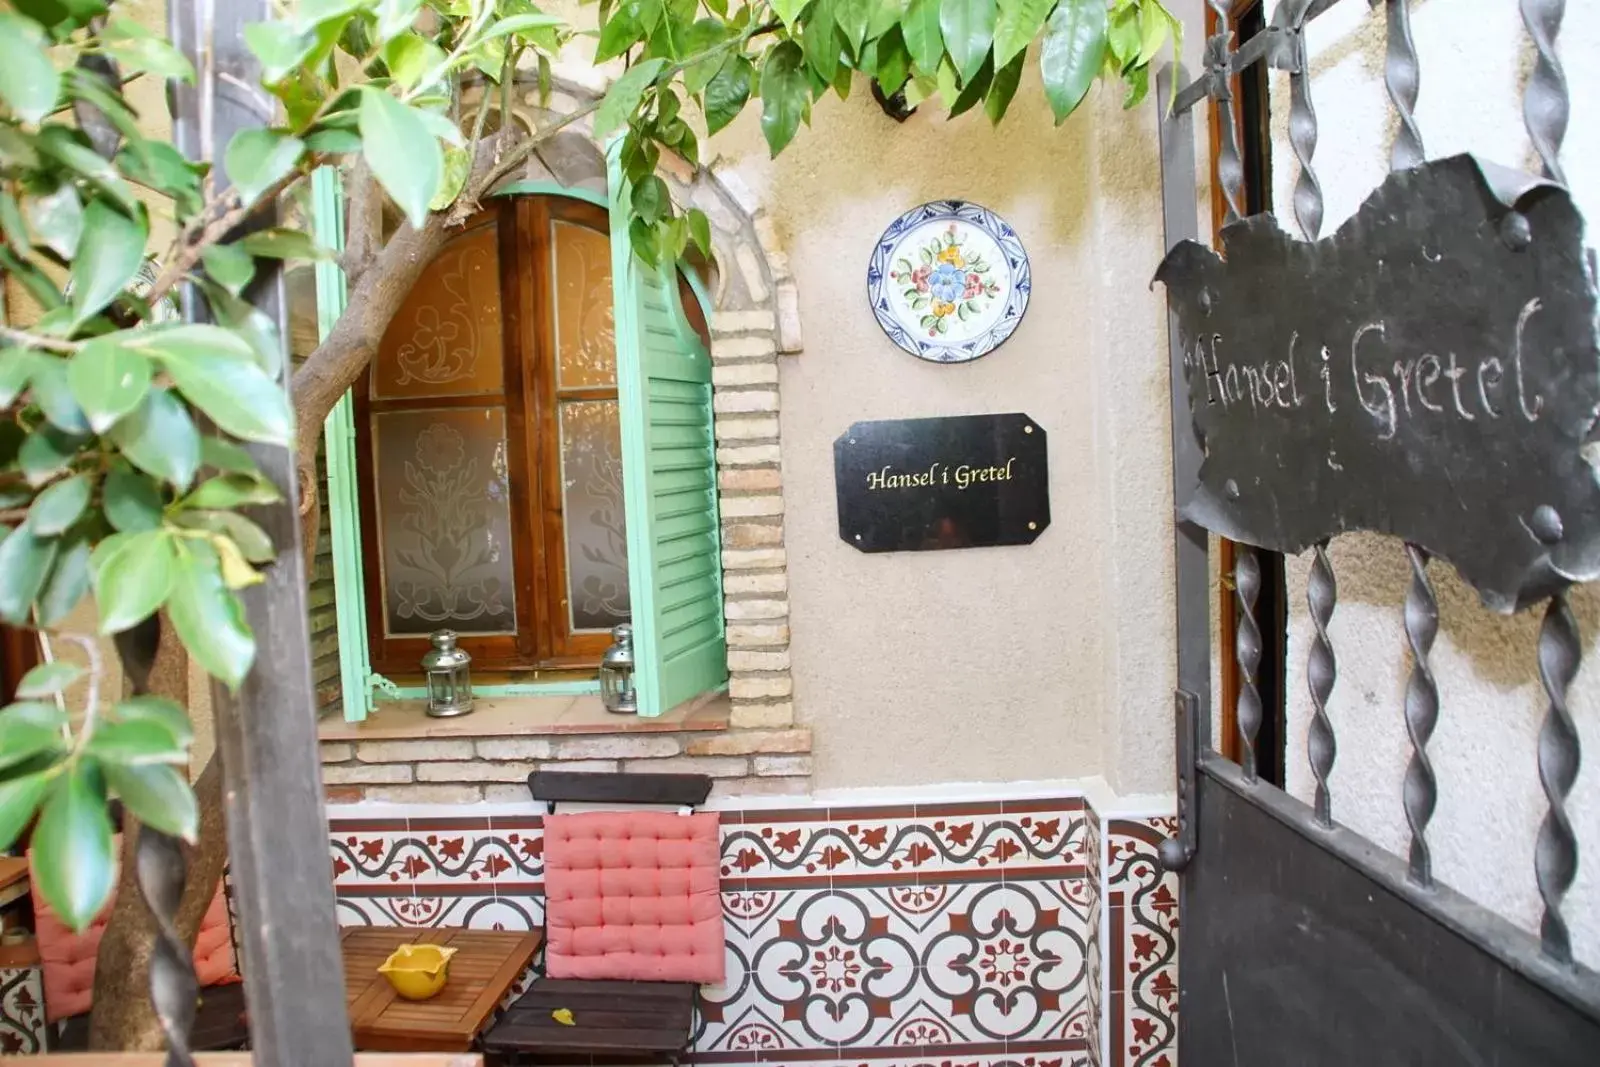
(1305, 944)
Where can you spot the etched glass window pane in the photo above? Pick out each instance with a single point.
(445, 340)
(444, 521)
(591, 499)
(586, 342)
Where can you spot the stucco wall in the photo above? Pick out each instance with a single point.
(1041, 662)
(1474, 60)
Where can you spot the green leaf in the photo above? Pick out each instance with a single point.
(257, 158)
(785, 95)
(440, 126)
(16, 367)
(622, 99)
(974, 90)
(789, 10)
(403, 154)
(46, 453)
(161, 166)
(133, 578)
(108, 381)
(19, 799)
(28, 730)
(160, 710)
(457, 165)
(651, 199)
(1004, 87)
(136, 742)
(29, 82)
(728, 92)
(48, 679)
(396, 16)
(335, 142)
(279, 46)
(1152, 31)
(60, 505)
(132, 501)
(924, 40)
(232, 491)
(618, 34)
(109, 255)
(158, 796)
(968, 29)
(137, 49)
(1138, 87)
(894, 62)
(53, 394)
(216, 371)
(1018, 22)
(227, 457)
(1122, 35)
(821, 43)
(249, 325)
(74, 860)
(25, 561)
(522, 24)
(229, 266)
(65, 147)
(252, 541)
(1074, 49)
(160, 438)
(700, 231)
(56, 219)
(68, 581)
(208, 617)
(410, 56)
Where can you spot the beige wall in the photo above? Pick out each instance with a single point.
(1048, 661)
(1474, 60)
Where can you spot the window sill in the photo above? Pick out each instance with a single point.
(523, 716)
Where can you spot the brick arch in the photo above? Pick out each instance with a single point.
(755, 317)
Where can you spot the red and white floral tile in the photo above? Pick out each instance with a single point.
(22, 1025)
(1142, 903)
(945, 934)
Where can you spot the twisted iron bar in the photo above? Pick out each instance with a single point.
(1545, 104)
(1302, 121)
(1422, 712)
(1247, 649)
(159, 865)
(1322, 593)
(1402, 75)
(1556, 852)
(1230, 167)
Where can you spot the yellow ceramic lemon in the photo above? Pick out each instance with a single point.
(418, 972)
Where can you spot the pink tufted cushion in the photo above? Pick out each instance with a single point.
(68, 959)
(633, 896)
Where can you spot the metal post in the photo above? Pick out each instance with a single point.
(267, 731)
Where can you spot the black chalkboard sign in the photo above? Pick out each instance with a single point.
(1430, 371)
(966, 481)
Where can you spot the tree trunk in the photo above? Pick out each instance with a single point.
(122, 1017)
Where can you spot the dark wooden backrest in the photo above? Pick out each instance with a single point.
(676, 790)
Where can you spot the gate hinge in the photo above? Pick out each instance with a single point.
(1177, 852)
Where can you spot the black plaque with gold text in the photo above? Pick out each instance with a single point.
(966, 481)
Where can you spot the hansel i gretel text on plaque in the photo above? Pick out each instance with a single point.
(966, 481)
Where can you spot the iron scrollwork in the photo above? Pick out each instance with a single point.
(1436, 354)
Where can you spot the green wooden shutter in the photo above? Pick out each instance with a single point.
(669, 477)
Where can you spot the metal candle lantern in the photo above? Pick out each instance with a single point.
(449, 672)
(616, 673)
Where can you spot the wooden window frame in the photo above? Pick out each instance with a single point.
(544, 638)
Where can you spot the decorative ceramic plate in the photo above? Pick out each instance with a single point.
(949, 281)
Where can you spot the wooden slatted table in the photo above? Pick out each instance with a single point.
(486, 965)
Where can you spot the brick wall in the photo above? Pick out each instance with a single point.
(465, 770)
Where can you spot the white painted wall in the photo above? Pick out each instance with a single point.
(1474, 62)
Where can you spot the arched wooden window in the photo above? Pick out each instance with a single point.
(489, 448)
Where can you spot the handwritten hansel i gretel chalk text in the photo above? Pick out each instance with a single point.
(939, 474)
(1389, 389)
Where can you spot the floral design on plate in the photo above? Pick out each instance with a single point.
(949, 281)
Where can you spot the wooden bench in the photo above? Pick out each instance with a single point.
(611, 1021)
